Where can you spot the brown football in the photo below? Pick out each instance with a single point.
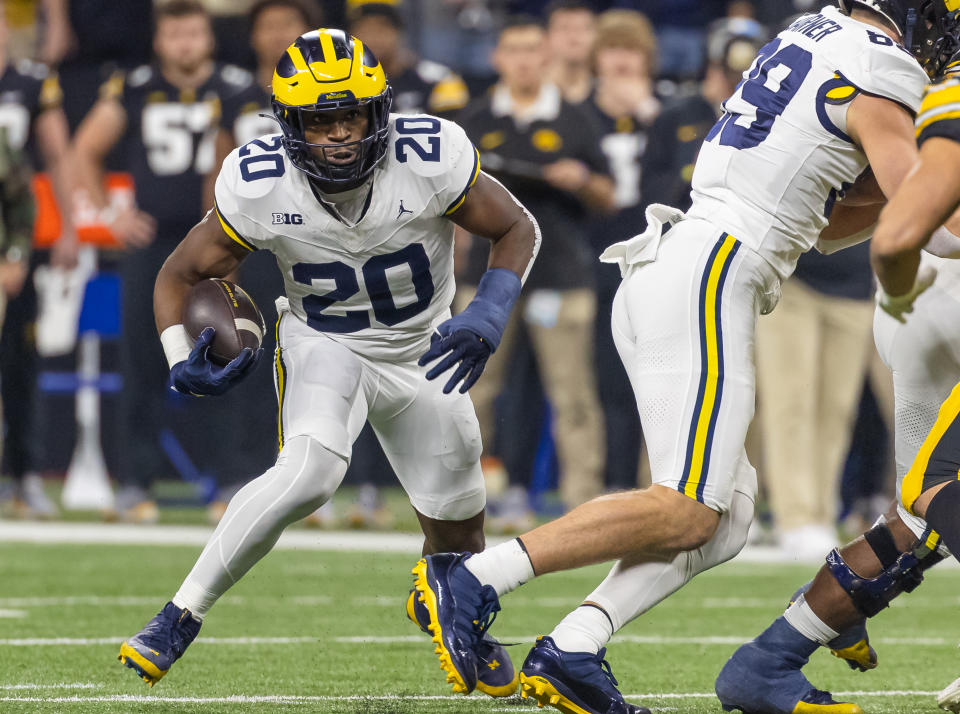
(228, 309)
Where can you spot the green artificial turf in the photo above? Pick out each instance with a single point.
(79, 591)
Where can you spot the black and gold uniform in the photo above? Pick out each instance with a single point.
(623, 143)
(938, 460)
(515, 153)
(168, 145)
(27, 90)
(673, 143)
(248, 114)
(426, 87)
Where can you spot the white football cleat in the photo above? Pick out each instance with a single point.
(949, 698)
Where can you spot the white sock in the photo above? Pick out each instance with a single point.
(586, 629)
(196, 599)
(805, 621)
(504, 567)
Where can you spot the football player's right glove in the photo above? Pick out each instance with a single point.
(198, 376)
(899, 305)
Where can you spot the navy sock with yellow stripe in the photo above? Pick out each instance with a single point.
(943, 515)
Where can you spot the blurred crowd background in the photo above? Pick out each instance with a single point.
(587, 111)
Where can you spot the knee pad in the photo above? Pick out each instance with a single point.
(731, 534)
(902, 572)
(305, 476)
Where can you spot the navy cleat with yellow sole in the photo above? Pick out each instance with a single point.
(764, 677)
(496, 676)
(460, 611)
(572, 682)
(162, 641)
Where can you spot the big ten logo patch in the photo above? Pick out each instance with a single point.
(287, 219)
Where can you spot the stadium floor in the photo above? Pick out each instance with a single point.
(324, 631)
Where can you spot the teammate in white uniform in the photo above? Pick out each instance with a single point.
(915, 331)
(359, 207)
(831, 94)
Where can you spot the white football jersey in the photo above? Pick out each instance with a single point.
(382, 285)
(772, 167)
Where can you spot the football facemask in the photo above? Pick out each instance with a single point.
(330, 71)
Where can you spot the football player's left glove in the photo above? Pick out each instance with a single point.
(468, 339)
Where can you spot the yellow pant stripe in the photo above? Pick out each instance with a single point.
(912, 485)
(281, 383)
(711, 344)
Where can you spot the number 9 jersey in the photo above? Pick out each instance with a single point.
(779, 157)
(379, 284)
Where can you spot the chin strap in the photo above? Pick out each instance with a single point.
(908, 30)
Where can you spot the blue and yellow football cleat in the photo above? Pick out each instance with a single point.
(162, 641)
(860, 656)
(460, 611)
(572, 682)
(764, 677)
(496, 676)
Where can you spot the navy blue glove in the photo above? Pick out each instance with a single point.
(198, 376)
(468, 339)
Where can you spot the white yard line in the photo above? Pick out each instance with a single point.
(389, 601)
(294, 699)
(419, 639)
(293, 539)
(58, 685)
(126, 534)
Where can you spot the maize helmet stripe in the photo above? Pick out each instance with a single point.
(327, 70)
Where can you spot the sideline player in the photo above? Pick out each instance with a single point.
(915, 331)
(359, 207)
(831, 94)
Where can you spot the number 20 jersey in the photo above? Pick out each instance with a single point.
(773, 165)
(379, 286)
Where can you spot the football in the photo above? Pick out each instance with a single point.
(228, 309)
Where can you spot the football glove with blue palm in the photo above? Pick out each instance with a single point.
(199, 376)
(468, 339)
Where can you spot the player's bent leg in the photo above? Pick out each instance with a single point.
(857, 582)
(567, 670)
(930, 488)
(452, 536)
(496, 676)
(305, 476)
(764, 677)
(657, 521)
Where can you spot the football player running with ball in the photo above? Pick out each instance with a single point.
(916, 334)
(834, 93)
(359, 207)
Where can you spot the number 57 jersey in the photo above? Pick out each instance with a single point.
(772, 167)
(378, 285)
